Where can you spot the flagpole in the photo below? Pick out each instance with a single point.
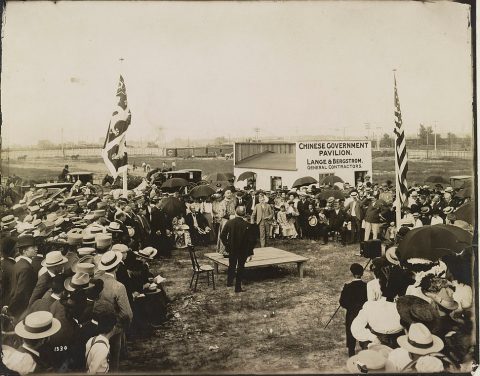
(398, 209)
(125, 172)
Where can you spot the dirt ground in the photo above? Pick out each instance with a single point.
(276, 325)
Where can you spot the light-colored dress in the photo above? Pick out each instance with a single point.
(181, 233)
(288, 228)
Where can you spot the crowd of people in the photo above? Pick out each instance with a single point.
(76, 283)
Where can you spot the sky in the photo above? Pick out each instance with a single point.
(211, 69)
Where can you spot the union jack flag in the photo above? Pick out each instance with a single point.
(401, 157)
(114, 150)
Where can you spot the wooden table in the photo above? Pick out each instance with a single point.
(263, 257)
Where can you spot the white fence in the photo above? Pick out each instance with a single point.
(83, 152)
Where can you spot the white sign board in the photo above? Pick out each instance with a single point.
(322, 157)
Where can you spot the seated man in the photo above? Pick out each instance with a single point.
(199, 230)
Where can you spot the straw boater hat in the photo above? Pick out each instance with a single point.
(367, 361)
(114, 227)
(84, 251)
(88, 239)
(312, 220)
(54, 258)
(148, 253)
(84, 267)
(420, 340)
(8, 220)
(37, 325)
(79, 281)
(425, 209)
(449, 190)
(448, 210)
(109, 260)
(122, 248)
(75, 236)
(103, 241)
(52, 217)
(392, 256)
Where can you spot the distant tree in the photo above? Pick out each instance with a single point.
(386, 141)
(425, 135)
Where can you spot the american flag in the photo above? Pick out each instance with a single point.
(114, 150)
(401, 158)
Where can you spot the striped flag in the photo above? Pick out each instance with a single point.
(401, 158)
(114, 150)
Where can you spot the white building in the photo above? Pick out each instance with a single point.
(278, 164)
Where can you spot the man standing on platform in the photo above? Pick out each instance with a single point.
(237, 235)
(262, 215)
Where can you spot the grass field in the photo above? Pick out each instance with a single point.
(276, 325)
(383, 167)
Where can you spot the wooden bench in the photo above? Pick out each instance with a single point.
(266, 256)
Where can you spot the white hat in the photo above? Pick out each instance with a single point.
(37, 325)
(420, 340)
(109, 260)
(79, 281)
(429, 364)
(148, 252)
(392, 256)
(54, 258)
(122, 248)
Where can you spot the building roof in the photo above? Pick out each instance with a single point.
(270, 161)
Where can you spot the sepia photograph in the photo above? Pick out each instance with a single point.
(238, 187)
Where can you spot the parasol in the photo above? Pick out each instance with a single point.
(202, 191)
(306, 180)
(246, 175)
(433, 242)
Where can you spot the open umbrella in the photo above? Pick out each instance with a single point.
(335, 193)
(175, 183)
(433, 242)
(202, 191)
(172, 206)
(466, 213)
(306, 180)
(220, 176)
(246, 175)
(331, 179)
(436, 179)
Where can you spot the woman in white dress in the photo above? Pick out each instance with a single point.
(288, 228)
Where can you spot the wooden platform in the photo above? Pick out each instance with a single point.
(263, 257)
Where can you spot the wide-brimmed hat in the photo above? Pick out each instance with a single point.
(88, 239)
(94, 229)
(367, 361)
(425, 209)
(103, 241)
(444, 299)
(89, 217)
(84, 267)
(54, 258)
(122, 248)
(79, 281)
(416, 214)
(448, 210)
(52, 217)
(429, 364)
(312, 220)
(413, 309)
(353, 194)
(37, 325)
(114, 227)
(148, 253)
(420, 340)
(391, 255)
(109, 260)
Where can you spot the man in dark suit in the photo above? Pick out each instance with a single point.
(142, 227)
(55, 264)
(336, 219)
(302, 207)
(160, 230)
(8, 263)
(352, 298)
(250, 201)
(199, 230)
(237, 235)
(24, 277)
